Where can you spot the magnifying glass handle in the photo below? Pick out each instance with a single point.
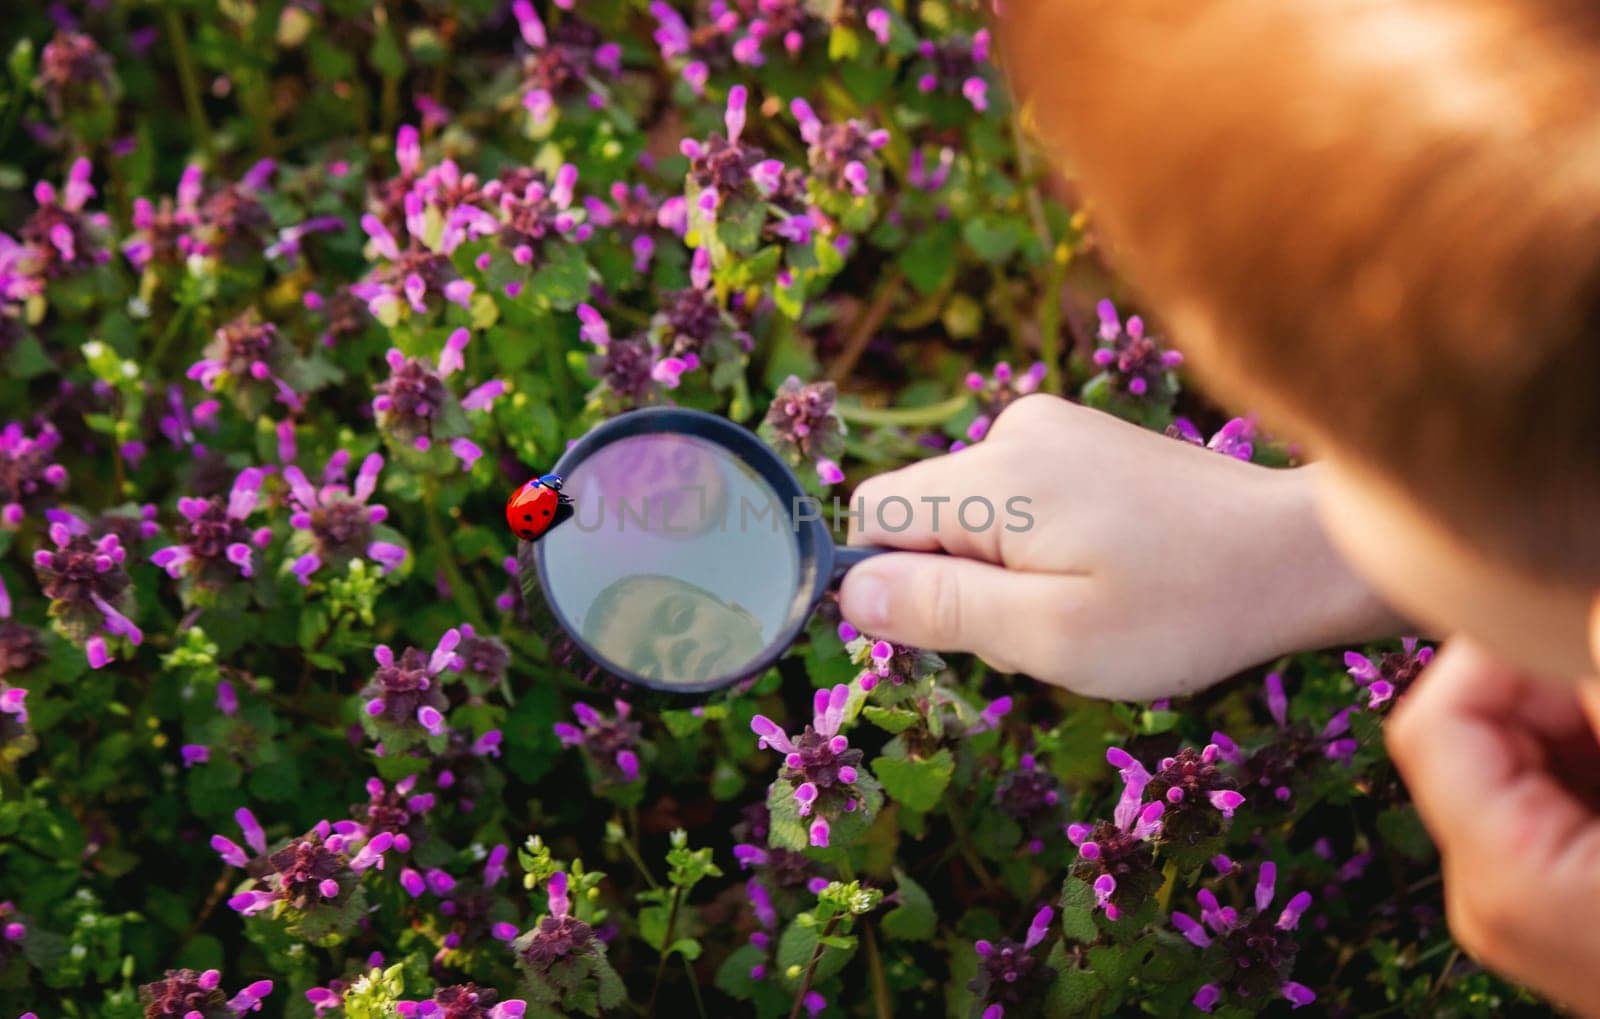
(846, 557)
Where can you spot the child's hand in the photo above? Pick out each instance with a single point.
(1152, 567)
(1505, 770)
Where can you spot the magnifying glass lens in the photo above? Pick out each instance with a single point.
(680, 564)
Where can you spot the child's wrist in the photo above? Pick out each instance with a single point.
(1318, 599)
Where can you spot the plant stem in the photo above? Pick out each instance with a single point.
(464, 593)
(1055, 268)
(1169, 879)
(866, 325)
(964, 841)
(666, 949)
(882, 1005)
(811, 969)
(631, 844)
(187, 80)
(1050, 321)
(633, 856)
(175, 325)
(694, 986)
(905, 417)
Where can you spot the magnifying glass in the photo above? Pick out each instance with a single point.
(691, 558)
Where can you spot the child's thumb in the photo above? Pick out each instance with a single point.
(946, 603)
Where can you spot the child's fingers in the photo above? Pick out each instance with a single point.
(1519, 851)
(1016, 621)
(1456, 740)
(940, 504)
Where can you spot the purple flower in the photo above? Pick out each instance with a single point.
(29, 474)
(182, 424)
(955, 66)
(563, 63)
(997, 393)
(406, 692)
(611, 743)
(1132, 364)
(1391, 674)
(631, 373)
(13, 714)
(558, 936)
(1198, 796)
(881, 660)
(397, 810)
(287, 246)
(1294, 751)
(1235, 439)
(767, 917)
(187, 993)
(1031, 796)
(534, 210)
(803, 425)
(216, 543)
(1249, 952)
(229, 224)
(484, 659)
(729, 172)
(20, 649)
(194, 753)
(463, 1001)
(1116, 858)
(317, 869)
(640, 218)
(414, 408)
(88, 588)
(247, 359)
(13, 929)
(819, 763)
(419, 270)
(335, 522)
(63, 238)
(691, 326)
(75, 74)
(920, 176)
(843, 156)
(1012, 975)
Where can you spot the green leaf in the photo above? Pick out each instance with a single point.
(733, 976)
(795, 948)
(1077, 911)
(993, 239)
(1401, 829)
(930, 258)
(890, 720)
(1074, 991)
(385, 54)
(689, 948)
(914, 918)
(915, 782)
(563, 280)
(787, 829)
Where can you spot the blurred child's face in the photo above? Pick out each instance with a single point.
(671, 631)
(1446, 585)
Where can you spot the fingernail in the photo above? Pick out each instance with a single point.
(868, 602)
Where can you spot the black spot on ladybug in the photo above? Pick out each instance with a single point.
(528, 517)
(527, 535)
(546, 512)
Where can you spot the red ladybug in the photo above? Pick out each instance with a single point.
(536, 506)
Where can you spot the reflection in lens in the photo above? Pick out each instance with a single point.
(670, 630)
(680, 564)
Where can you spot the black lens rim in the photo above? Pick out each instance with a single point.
(814, 542)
